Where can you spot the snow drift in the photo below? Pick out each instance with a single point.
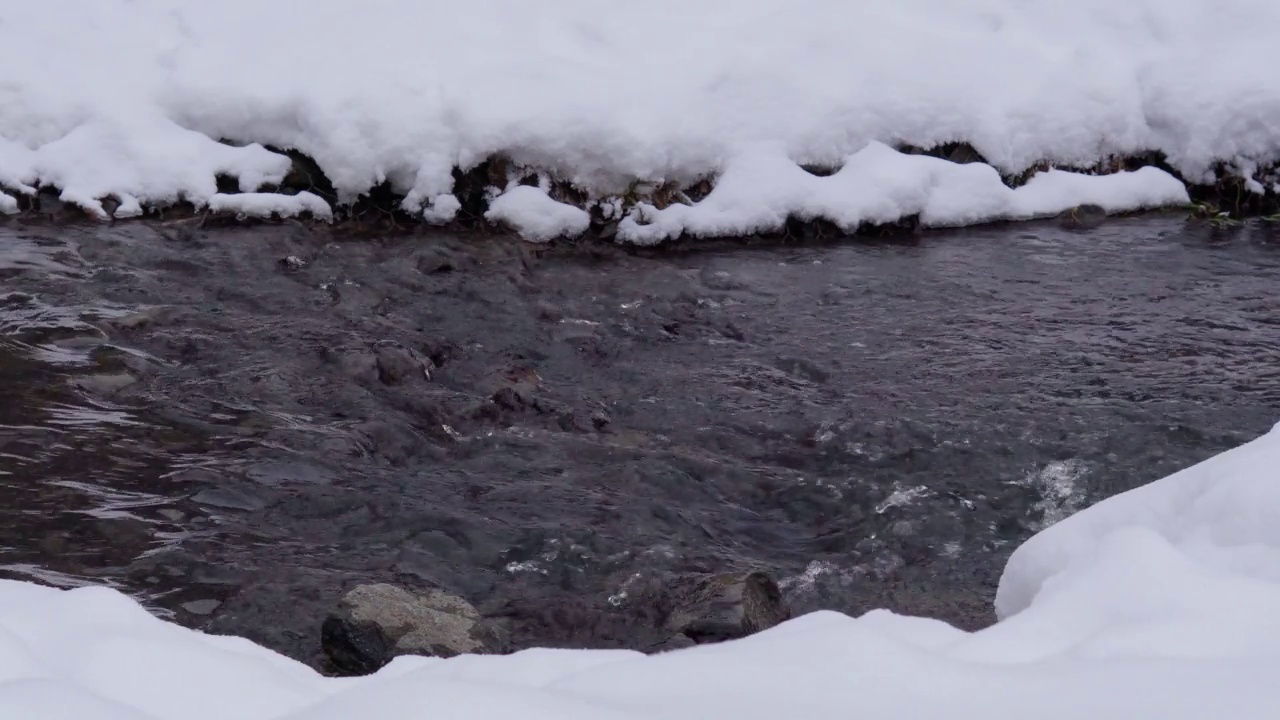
(1163, 602)
(128, 99)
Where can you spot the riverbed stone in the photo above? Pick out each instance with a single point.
(375, 623)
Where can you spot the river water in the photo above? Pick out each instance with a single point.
(236, 424)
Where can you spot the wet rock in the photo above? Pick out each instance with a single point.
(725, 606)
(290, 264)
(201, 607)
(439, 259)
(109, 205)
(1083, 217)
(304, 174)
(964, 153)
(514, 387)
(375, 623)
(361, 365)
(229, 498)
(802, 368)
(124, 533)
(49, 203)
(283, 472)
(548, 312)
(111, 359)
(722, 280)
(397, 365)
(676, 642)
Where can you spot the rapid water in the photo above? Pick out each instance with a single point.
(236, 424)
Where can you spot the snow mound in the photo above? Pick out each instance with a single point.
(1163, 603)
(267, 205)
(532, 213)
(760, 190)
(1216, 523)
(132, 99)
(441, 209)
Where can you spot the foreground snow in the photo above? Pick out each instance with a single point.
(127, 98)
(1163, 602)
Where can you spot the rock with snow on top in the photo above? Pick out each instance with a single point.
(535, 216)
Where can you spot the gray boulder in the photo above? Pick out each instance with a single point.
(375, 623)
(713, 608)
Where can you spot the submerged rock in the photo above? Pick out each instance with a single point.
(375, 623)
(396, 365)
(1083, 217)
(105, 384)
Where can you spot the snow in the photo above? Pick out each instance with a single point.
(442, 209)
(760, 190)
(266, 205)
(151, 100)
(535, 216)
(1221, 517)
(1163, 602)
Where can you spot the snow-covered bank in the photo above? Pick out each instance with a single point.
(1163, 603)
(758, 192)
(127, 99)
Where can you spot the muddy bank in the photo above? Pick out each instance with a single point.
(239, 424)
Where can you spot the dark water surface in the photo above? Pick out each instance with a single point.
(235, 438)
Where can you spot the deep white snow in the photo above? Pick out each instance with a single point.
(127, 98)
(1163, 602)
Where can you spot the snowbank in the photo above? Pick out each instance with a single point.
(1160, 603)
(759, 191)
(1216, 523)
(266, 205)
(535, 216)
(129, 98)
